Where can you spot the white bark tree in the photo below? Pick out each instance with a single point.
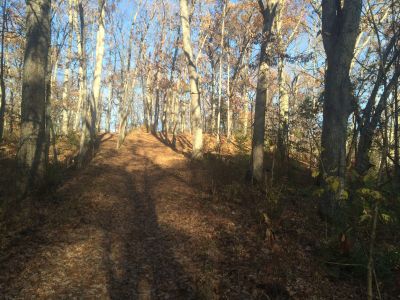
(196, 119)
(98, 67)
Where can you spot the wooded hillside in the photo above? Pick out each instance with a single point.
(211, 149)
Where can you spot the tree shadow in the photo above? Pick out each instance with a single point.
(148, 268)
(110, 211)
(183, 142)
(117, 222)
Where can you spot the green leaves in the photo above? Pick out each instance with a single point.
(370, 194)
(386, 218)
(366, 216)
(344, 195)
(333, 183)
(370, 179)
(315, 173)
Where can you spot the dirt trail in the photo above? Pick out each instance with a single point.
(138, 224)
(122, 238)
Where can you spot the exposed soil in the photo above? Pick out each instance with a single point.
(141, 223)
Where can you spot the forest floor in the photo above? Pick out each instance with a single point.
(146, 222)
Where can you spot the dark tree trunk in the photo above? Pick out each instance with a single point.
(257, 153)
(32, 150)
(369, 126)
(340, 27)
(2, 83)
(156, 112)
(396, 130)
(334, 133)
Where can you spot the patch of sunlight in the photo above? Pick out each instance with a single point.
(144, 283)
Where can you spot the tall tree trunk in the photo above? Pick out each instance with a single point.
(13, 99)
(245, 112)
(67, 72)
(12, 112)
(340, 25)
(221, 59)
(283, 130)
(32, 149)
(98, 66)
(182, 117)
(396, 130)
(154, 126)
(149, 102)
(83, 99)
(50, 134)
(194, 83)
(212, 99)
(109, 106)
(146, 117)
(2, 82)
(81, 70)
(245, 99)
(170, 106)
(175, 112)
(257, 152)
(228, 104)
(283, 127)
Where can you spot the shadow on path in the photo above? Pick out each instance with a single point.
(99, 238)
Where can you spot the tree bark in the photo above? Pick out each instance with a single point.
(98, 66)
(283, 133)
(32, 154)
(67, 72)
(228, 102)
(396, 130)
(109, 106)
(268, 12)
(2, 81)
(83, 99)
(340, 26)
(221, 59)
(368, 129)
(194, 83)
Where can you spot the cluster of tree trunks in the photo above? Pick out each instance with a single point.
(161, 102)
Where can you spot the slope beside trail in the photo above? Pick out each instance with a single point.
(136, 224)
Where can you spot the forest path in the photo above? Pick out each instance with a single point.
(122, 234)
(145, 222)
